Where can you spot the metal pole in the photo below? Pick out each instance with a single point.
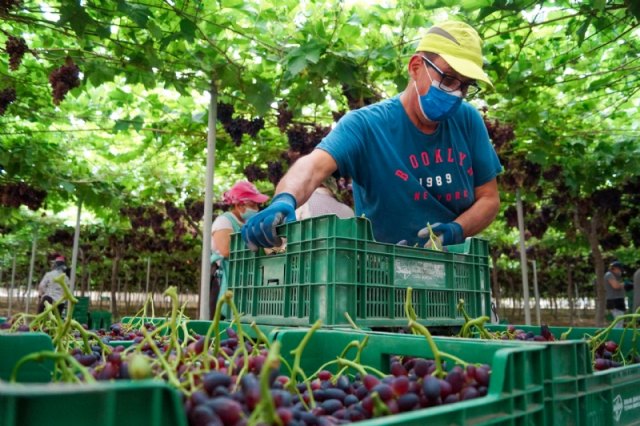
(535, 291)
(74, 255)
(523, 260)
(205, 269)
(31, 267)
(148, 275)
(13, 281)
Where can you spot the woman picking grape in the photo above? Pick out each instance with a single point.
(244, 199)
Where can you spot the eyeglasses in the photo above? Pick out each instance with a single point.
(449, 83)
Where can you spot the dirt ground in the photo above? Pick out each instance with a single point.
(583, 317)
(561, 317)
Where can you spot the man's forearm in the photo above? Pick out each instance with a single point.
(483, 211)
(479, 216)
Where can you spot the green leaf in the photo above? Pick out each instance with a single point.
(137, 123)
(164, 43)
(188, 29)
(68, 186)
(98, 72)
(74, 14)
(199, 117)
(136, 12)
(121, 125)
(296, 64)
(151, 54)
(260, 96)
(470, 5)
(583, 30)
(232, 4)
(155, 30)
(599, 5)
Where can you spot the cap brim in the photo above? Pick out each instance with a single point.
(466, 68)
(258, 198)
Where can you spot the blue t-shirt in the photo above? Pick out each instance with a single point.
(403, 178)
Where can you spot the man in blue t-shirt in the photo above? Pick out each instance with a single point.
(422, 157)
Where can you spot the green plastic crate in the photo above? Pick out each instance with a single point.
(622, 336)
(332, 266)
(14, 346)
(611, 397)
(202, 327)
(144, 403)
(515, 395)
(100, 320)
(81, 310)
(139, 321)
(574, 393)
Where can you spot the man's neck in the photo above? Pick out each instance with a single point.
(416, 117)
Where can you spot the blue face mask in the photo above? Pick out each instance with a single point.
(436, 104)
(248, 213)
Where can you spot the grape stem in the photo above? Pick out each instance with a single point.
(350, 321)
(439, 371)
(297, 355)
(56, 356)
(266, 405)
(380, 409)
(478, 323)
(409, 312)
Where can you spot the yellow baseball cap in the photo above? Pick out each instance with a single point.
(458, 44)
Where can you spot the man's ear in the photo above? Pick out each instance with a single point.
(414, 66)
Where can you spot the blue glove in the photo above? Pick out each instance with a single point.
(260, 230)
(450, 233)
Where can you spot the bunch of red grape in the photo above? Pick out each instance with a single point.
(16, 48)
(500, 133)
(229, 391)
(284, 116)
(64, 79)
(194, 208)
(357, 97)
(604, 356)
(513, 333)
(61, 236)
(254, 172)
(337, 399)
(236, 127)
(7, 5)
(7, 96)
(275, 171)
(14, 194)
(303, 140)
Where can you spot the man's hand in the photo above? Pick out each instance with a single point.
(449, 233)
(260, 230)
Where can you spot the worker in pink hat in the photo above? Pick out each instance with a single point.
(422, 157)
(244, 200)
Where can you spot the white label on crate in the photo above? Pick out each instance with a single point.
(417, 273)
(621, 405)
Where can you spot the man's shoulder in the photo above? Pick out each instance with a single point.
(466, 112)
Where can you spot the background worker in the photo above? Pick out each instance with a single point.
(421, 157)
(49, 290)
(614, 291)
(244, 200)
(323, 201)
(636, 289)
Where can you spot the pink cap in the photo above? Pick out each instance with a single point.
(244, 191)
(59, 259)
